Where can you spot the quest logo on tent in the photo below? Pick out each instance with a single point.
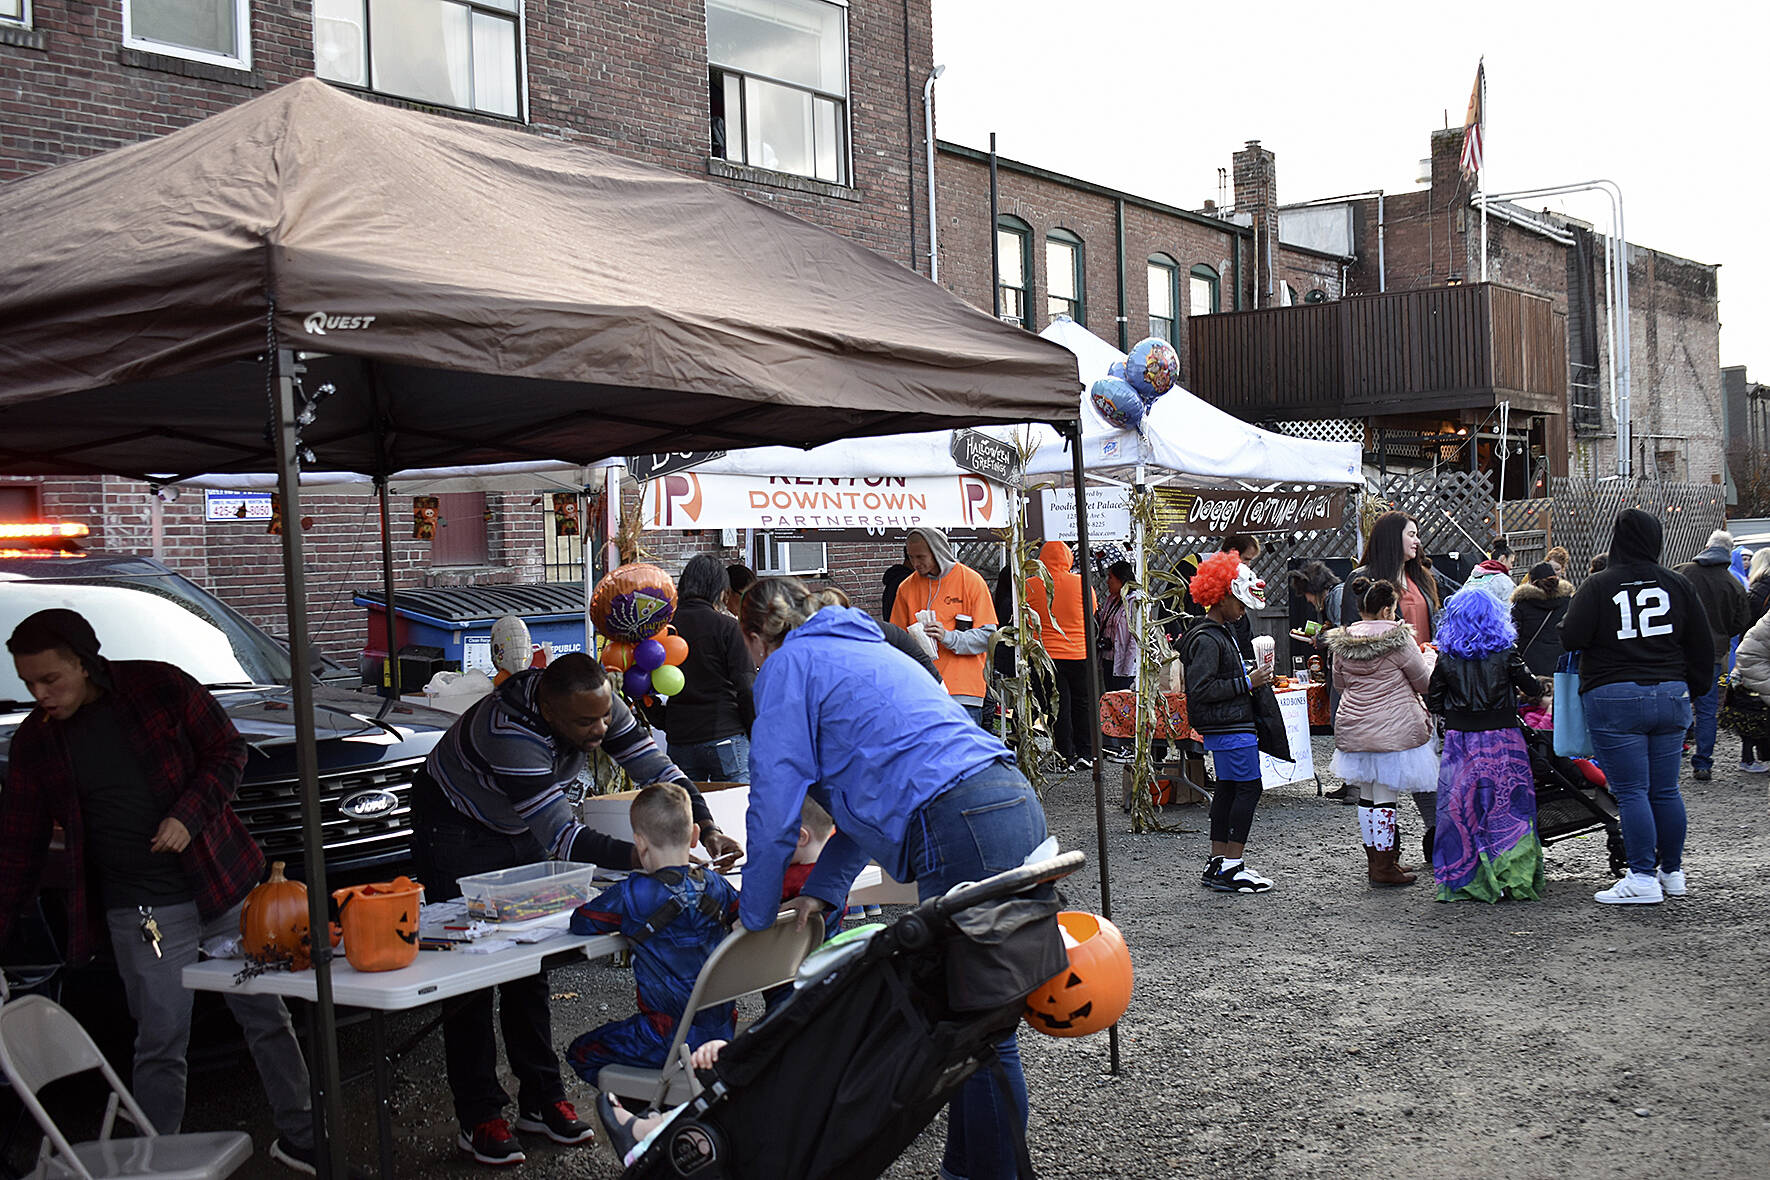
(318, 323)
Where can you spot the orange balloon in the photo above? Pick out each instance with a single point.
(618, 656)
(675, 649)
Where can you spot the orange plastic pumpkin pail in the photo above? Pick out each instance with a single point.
(1094, 990)
(380, 924)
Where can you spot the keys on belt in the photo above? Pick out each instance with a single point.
(150, 929)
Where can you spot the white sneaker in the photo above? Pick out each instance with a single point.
(1672, 882)
(1634, 889)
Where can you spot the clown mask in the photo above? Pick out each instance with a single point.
(1248, 588)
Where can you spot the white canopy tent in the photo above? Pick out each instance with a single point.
(1181, 435)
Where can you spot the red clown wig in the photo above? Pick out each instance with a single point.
(1215, 573)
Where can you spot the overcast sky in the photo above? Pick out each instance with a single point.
(1153, 96)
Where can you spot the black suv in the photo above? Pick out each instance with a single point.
(369, 750)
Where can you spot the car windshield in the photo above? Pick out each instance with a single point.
(160, 617)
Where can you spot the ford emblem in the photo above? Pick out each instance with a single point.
(368, 804)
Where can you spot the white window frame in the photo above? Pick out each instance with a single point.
(242, 32)
(844, 150)
(775, 558)
(22, 20)
(518, 15)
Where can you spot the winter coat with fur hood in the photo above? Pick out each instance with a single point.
(1537, 614)
(1380, 672)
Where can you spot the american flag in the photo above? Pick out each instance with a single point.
(1474, 123)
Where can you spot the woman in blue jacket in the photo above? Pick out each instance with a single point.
(912, 782)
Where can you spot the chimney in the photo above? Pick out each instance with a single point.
(1453, 262)
(1256, 194)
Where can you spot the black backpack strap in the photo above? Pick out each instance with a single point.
(672, 879)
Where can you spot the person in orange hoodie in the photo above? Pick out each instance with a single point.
(1060, 620)
(964, 614)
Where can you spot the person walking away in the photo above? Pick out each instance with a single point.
(1383, 735)
(911, 782)
(1486, 845)
(1724, 602)
(893, 578)
(1220, 705)
(1393, 555)
(1754, 755)
(708, 722)
(138, 764)
(1646, 652)
(1747, 711)
(963, 615)
(1059, 598)
(1538, 606)
(492, 796)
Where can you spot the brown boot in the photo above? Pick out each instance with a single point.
(1385, 868)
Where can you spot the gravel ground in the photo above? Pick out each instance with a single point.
(1326, 1029)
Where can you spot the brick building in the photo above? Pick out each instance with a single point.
(813, 105)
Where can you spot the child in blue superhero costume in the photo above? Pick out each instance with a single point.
(673, 915)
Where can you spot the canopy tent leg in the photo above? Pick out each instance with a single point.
(393, 685)
(322, 1047)
(1073, 430)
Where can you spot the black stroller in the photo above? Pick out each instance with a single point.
(839, 1079)
(1569, 803)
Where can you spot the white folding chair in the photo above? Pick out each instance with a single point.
(748, 961)
(40, 1043)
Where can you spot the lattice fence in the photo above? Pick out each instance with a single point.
(1324, 429)
(1585, 510)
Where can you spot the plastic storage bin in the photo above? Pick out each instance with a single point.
(528, 891)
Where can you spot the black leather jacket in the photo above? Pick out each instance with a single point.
(1218, 699)
(1481, 694)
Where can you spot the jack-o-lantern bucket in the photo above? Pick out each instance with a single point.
(380, 924)
(1094, 990)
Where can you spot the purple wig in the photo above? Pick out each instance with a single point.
(1474, 624)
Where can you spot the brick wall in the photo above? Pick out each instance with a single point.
(1047, 202)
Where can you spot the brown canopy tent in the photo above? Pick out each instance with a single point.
(390, 289)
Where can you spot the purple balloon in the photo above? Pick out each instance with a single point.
(637, 682)
(648, 655)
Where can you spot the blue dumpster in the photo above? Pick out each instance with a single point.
(451, 626)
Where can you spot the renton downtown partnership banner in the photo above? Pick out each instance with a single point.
(881, 504)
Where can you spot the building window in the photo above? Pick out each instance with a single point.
(1063, 275)
(779, 85)
(1202, 292)
(215, 31)
(797, 558)
(1013, 265)
(1164, 297)
(15, 12)
(460, 530)
(462, 55)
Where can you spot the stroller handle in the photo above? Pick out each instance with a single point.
(1005, 884)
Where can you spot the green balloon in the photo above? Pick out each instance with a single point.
(668, 680)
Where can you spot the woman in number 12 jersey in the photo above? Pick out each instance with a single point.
(1645, 653)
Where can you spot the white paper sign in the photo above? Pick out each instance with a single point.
(887, 504)
(1109, 514)
(1294, 706)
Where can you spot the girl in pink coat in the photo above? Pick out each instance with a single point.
(1382, 732)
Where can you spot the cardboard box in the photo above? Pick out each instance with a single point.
(729, 803)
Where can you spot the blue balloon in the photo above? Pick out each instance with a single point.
(1116, 369)
(1115, 401)
(1152, 368)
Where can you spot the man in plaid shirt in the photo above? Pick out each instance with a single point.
(138, 763)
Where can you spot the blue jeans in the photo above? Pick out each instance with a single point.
(725, 760)
(980, 826)
(1638, 735)
(1707, 707)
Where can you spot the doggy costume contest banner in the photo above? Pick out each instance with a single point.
(882, 504)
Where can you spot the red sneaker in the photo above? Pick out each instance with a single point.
(492, 1143)
(558, 1121)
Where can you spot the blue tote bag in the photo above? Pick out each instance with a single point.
(1572, 739)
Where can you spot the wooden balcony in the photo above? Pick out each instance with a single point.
(1426, 351)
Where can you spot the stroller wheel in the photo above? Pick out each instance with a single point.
(1619, 855)
(912, 932)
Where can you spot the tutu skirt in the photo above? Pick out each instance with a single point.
(1406, 772)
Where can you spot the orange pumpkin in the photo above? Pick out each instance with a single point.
(380, 924)
(1094, 990)
(274, 924)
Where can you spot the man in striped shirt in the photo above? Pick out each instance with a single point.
(492, 796)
